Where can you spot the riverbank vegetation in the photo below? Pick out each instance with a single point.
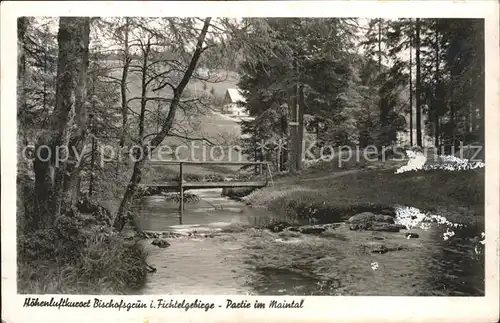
(336, 199)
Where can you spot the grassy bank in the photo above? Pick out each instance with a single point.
(457, 195)
(105, 265)
(79, 253)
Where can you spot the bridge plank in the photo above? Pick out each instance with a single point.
(206, 184)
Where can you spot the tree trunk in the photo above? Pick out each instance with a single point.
(292, 160)
(277, 169)
(144, 91)
(119, 221)
(381, 103)
(23, 166)
(44, 94)
(418, 85)
(284, 136)
(479, 112)
(295, 123)
(467, 119)
(92, 168)
(454, 106)
(300, 141)
(71, 187)
(93, 152)
(473, 112)
(411, 85)
(43, 169)
(453, 121)
(123, 83)
(379, 41)
(437, 98)
(479, 103)
(255, 171)
(68, 122)
(22, 25)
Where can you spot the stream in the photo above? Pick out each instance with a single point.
(226, 255)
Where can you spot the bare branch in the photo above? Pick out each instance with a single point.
(165, 84)
(112, 78)
(146, 99)
(191, 138)
(182, 85)
(153, 78)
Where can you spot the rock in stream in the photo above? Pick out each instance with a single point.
(369, 221)
(160, 243)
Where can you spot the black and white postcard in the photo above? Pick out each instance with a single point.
(270, 161)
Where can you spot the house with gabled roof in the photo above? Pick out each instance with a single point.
(231, 103)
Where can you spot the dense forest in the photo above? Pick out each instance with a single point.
(362, 84)
(85, 83)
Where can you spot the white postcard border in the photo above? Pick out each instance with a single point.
(316, 309)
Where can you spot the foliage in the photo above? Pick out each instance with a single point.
(340, 87)
(452, 80)
(79, 254)
(40, 48)
(105, 266)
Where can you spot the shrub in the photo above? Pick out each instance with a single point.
(79, 253)
(103, 265)
(110, 263)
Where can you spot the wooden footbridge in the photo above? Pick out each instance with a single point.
(181, 185)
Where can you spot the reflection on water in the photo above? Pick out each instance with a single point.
(156, 214)
(264, 263)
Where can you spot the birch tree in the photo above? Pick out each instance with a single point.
(168, 124)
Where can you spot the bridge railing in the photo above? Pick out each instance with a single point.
(182, 184)
(218, 163)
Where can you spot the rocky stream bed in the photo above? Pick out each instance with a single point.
(369, 254)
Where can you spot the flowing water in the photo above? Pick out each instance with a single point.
(219, 252)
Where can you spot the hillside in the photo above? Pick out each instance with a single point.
(204, 122)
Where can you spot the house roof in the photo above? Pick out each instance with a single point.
(235, 95)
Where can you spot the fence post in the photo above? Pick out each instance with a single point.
(268, 170)
(181, 175)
